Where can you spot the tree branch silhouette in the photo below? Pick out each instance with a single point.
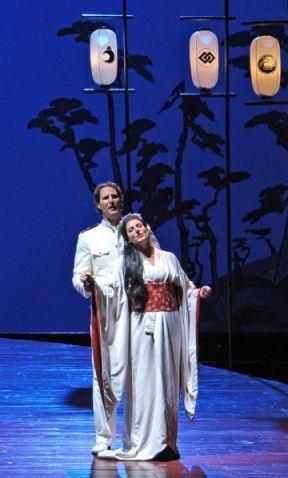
(272, 200)
(60, 120)
(191, 108)
(277, 122)
(262, 235)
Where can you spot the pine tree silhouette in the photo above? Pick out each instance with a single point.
(61, 120)
(262, 235)
(277, 122)
(191, 109)
(272, 200)
(242, 248)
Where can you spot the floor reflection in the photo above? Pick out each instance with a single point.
(143, 469)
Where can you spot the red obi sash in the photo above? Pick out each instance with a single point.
(161, 297)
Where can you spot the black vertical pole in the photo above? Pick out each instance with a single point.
(127, 110)
(228, 187)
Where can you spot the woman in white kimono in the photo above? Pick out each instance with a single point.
(162, 356)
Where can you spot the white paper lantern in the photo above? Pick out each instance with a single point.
(265, 65)
(204, 59)
(103, 56)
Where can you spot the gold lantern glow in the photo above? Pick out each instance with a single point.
(265, 65)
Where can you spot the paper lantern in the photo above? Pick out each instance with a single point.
(204, 59)
(265, 65)
(103, 56)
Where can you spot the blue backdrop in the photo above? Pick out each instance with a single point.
(53, 134)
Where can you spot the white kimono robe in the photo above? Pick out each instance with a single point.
(162, 358)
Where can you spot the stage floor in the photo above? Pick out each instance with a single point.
(46, 422)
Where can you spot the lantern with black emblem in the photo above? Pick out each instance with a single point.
(265, 65)
(204, 59)
(103, 56)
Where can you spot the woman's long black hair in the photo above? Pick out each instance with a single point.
(133, 268)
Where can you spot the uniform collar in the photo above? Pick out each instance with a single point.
(108, 224)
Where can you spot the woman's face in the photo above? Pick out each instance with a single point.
(137, 233)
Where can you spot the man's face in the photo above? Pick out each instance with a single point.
(110, 204)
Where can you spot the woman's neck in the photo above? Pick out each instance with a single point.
(148, 253)
(147, 250)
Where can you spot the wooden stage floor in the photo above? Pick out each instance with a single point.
(46, 422)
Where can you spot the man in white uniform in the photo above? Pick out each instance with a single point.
(98, 249)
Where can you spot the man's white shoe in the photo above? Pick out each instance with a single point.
(98, 447)
(108, 454)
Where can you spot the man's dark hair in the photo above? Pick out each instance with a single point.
(98, 188)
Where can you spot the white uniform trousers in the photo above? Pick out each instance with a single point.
(105, 428)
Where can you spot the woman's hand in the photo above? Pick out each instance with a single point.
(87, 281)
(205, 292)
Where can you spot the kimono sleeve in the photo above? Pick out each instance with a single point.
(189, 310)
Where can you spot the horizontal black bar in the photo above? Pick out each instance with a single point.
(105, 15)
(265, 102)
(210, 95)
(266, 22)
(110, 90)
(200, 19)
(75, 338)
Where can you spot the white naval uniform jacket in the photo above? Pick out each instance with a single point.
(97, 252)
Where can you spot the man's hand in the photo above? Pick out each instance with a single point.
(87, 281)
(205, 292)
